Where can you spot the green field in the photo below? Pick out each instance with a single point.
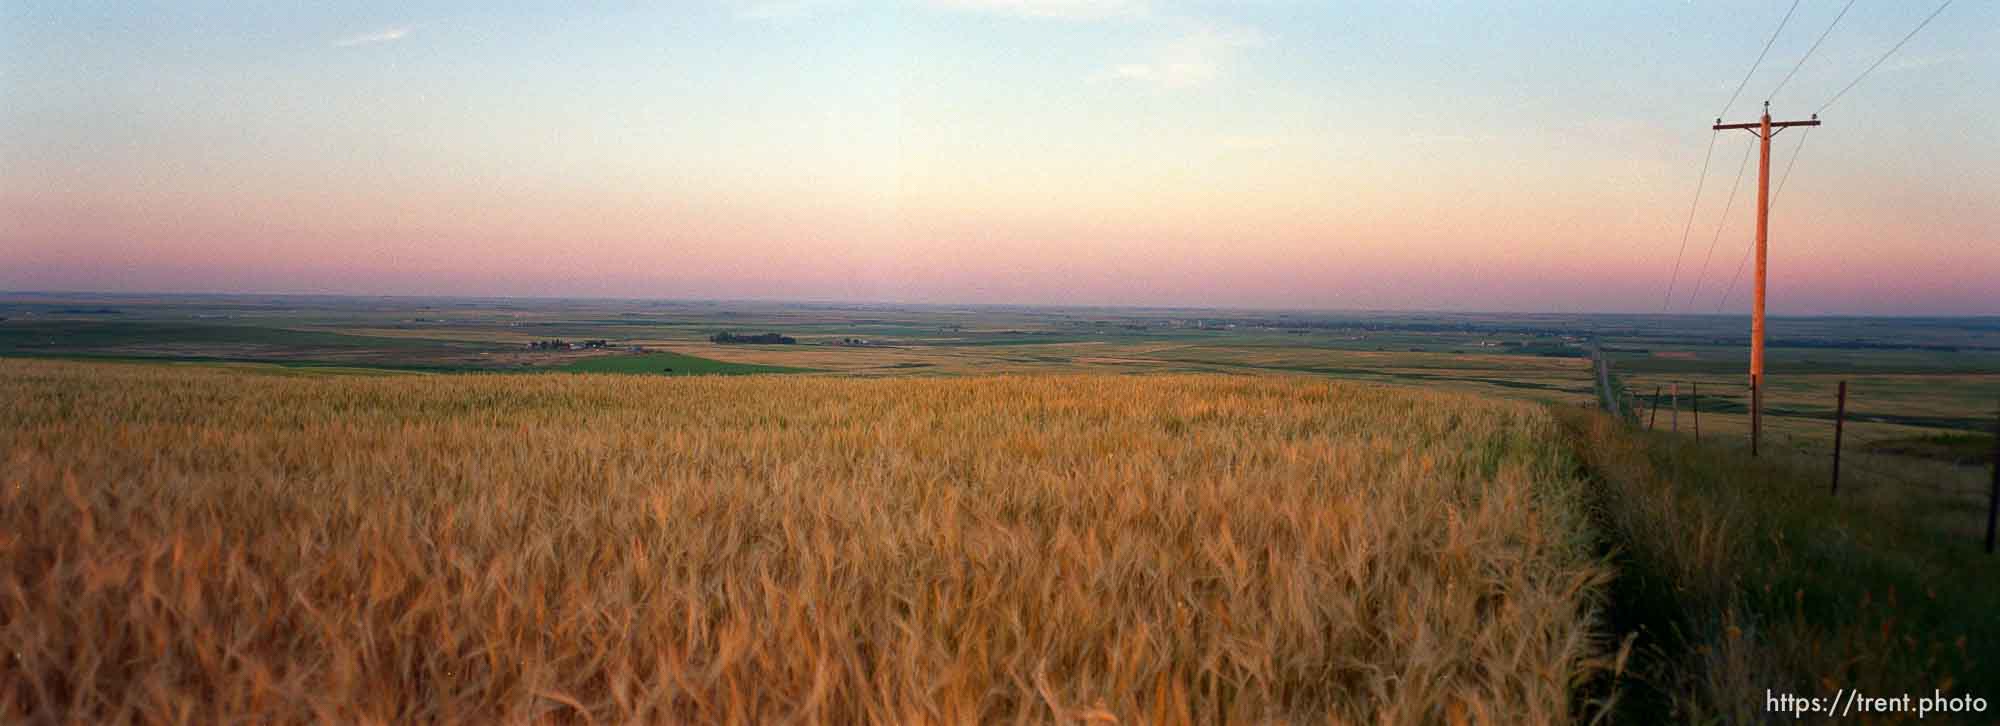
(672, 364)
(47, 335)
(1908, 377)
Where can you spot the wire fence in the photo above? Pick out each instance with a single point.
(1866, 447)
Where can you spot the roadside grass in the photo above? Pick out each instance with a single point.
(670, 363)
(1743, 576)
(1952, 447)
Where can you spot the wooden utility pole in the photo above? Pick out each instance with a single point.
(1764, 129)
(1694, 407)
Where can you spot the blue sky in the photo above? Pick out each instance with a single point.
(1492, 156)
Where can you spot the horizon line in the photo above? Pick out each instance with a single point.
(828, 302)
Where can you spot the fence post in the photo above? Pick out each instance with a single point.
(1839, 418)
(1674, 400)
(1694, 407)
(1993, 500)
(1655, 418)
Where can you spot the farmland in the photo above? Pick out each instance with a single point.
(1908, 377)
(670, 363)
(253, 544)
(1910, 380)
(948, 514)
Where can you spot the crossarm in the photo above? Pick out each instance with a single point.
(1759, 125)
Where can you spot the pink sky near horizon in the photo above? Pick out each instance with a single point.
(925, 188)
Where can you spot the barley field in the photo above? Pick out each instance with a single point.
(208, 545)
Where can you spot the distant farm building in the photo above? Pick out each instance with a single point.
(566, 345)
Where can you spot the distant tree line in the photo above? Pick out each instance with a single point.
(1866, 345)
(759, 339)
(1849, 343)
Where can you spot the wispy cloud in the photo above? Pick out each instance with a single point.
(1063, 9)
(1196, 58)
(386, 35)
(779, 9)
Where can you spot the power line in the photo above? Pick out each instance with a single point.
(1667, 302)
(1760, 59)
(1836, 97)
(1720, 224)
(1775, 193)
(1719, 304)
(1733, 278)
(1885, 56)
(1809, 51)
(1685, 229)
(1773, 205)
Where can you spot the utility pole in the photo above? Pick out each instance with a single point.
(1764, 129)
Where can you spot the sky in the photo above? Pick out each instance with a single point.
(1530, 156)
